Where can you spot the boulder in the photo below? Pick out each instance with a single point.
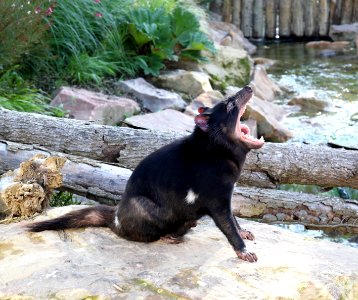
(103, 109)
(345, 32)
(266, 62)
(93, 263)
(326, 45)
(311, 104)
(229, 66)
(228, 34)
(152, 98)
(190, 83)
(208, 99)
(264, 87)
(165, 120)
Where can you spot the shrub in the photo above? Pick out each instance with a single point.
(21, 27)
(16, 94)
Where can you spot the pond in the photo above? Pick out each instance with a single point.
(328, 76)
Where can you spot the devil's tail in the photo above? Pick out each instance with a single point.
(96, 216)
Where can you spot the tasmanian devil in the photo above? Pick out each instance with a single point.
(181, 182)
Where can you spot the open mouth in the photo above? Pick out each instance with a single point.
(243, 133)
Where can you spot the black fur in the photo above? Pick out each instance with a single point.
(202, 167)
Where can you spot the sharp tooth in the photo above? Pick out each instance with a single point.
(262, 138)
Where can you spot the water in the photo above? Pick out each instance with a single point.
(307, 72)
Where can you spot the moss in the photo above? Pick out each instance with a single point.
(166, 294)
(246, 67)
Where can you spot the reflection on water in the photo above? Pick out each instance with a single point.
(309, 72)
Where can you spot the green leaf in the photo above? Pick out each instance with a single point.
(183, 20)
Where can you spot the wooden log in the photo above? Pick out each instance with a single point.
(278, 163)
(297, 22)
(274, 206)
(216, 6)
(106, 183)
(271, 14)
(28, 188)
(347, 11)
(236, 12)
(323, 17)
(83, 176)
(227, 11)
(285, 18)
(247, 17)
(258, 29)
(355, 13)
(310, 16)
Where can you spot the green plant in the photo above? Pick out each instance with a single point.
(161, 36)
(17, 94)
(65, 198)
(21, 28)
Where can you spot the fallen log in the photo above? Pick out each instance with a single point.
(267, 167)
(106, 183)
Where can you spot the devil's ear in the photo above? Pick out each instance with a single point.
(202, 122)
(202, 109)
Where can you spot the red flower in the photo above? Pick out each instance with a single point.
(37, 10)
(49, 11)
(97, 1)
(98, 15)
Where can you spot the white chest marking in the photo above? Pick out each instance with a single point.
(191, 197)
(116, 221)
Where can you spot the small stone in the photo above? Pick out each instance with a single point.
(152, 98)
(281, 216)
(269, 218)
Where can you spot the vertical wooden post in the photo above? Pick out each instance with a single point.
(323, 17)
(271, 14)
(297, 22)
(258, 30)
(355, 12)
(337, 13)
(236, 12)
(285, 18)
(347, 11)
(216, 6)
(246, 17)
(227, 11)
(310, 15)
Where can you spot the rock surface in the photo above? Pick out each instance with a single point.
(345, 32)
(264, 87)
(229, 66)
(95, 263)
(165, 120)
(208, 99)
(190, 83)
(103, 109)
(339, 45)
(152, 98)
(311, 104)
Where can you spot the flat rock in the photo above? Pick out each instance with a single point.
(327, 45)
(152, 98)
(103, 109)
(229, 66)
(165, 120)
(93, 263)
(345, 32)
(264, 87)
(190, 83)
(311, 104)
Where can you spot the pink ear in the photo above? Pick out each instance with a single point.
(202, 122)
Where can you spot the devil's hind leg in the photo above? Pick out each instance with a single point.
(140, 219)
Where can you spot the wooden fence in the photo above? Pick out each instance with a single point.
(286, 18)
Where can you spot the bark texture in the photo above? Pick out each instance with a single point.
(273, 164)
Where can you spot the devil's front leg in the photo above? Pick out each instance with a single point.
(245, 234)
(224, 219)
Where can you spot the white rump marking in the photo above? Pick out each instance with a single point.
(191, 197)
